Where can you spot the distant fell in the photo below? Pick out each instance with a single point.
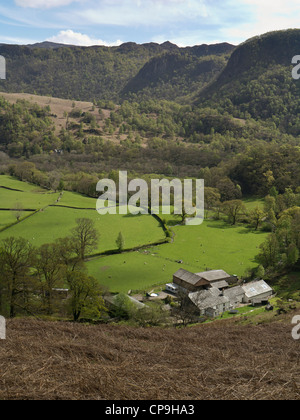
(261, 52)
(257, 81)
(99, 72)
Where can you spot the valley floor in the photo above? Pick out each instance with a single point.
(44, 360)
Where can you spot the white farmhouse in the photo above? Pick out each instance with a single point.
(257, 291)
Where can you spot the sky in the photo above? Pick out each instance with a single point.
(113, 22)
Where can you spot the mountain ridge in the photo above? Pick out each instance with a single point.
(257, 81)
(73, 72)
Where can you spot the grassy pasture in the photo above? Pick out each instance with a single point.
(13, 183)
(132, 271)
(252, 202)
(6, 218)
(27, 195)
(27, 200)
(213, 245)
(71, 199)
(57, 222)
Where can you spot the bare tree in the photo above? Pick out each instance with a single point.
(185, 311)
(18, 211)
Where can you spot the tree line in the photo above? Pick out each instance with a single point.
(31, 278)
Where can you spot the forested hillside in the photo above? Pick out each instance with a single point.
(74, 72)
(241, 134)
(257, 81)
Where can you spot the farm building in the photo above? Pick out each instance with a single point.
(189, 282)
(211, 293)
(61, 293)
(113, 302)
(214, 275)
(235, 295)
(210, 302)
(257, 291)
(218, 276)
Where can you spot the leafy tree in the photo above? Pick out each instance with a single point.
(212, 198)
(120, 242)
(86, 296)
(49, 271)
(85, 237)
(16, 259)
(68, 256)
(234, 209)
(269, 256)
(124, 307)
(256, 217)
(292, 255)
(228, 190)
(152, 315)
(260, 272)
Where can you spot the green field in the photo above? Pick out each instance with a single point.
(13, 183)
(212, 245)
(57, 222)
(132, 271)
(6, 218)
(71, 199)
(251, 203)
(27, 197)
(27, 200)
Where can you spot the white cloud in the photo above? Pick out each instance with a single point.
(15, 40)
(268, 15)
(76, 38)
(43, 4)
(143, 12)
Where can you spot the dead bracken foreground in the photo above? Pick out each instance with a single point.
(44, 360)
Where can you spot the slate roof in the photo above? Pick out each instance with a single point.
(256, 288)
(214, 275)
(221, 284)
(210, 298)
(233, 292)
(112, 300)
(188, 277)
